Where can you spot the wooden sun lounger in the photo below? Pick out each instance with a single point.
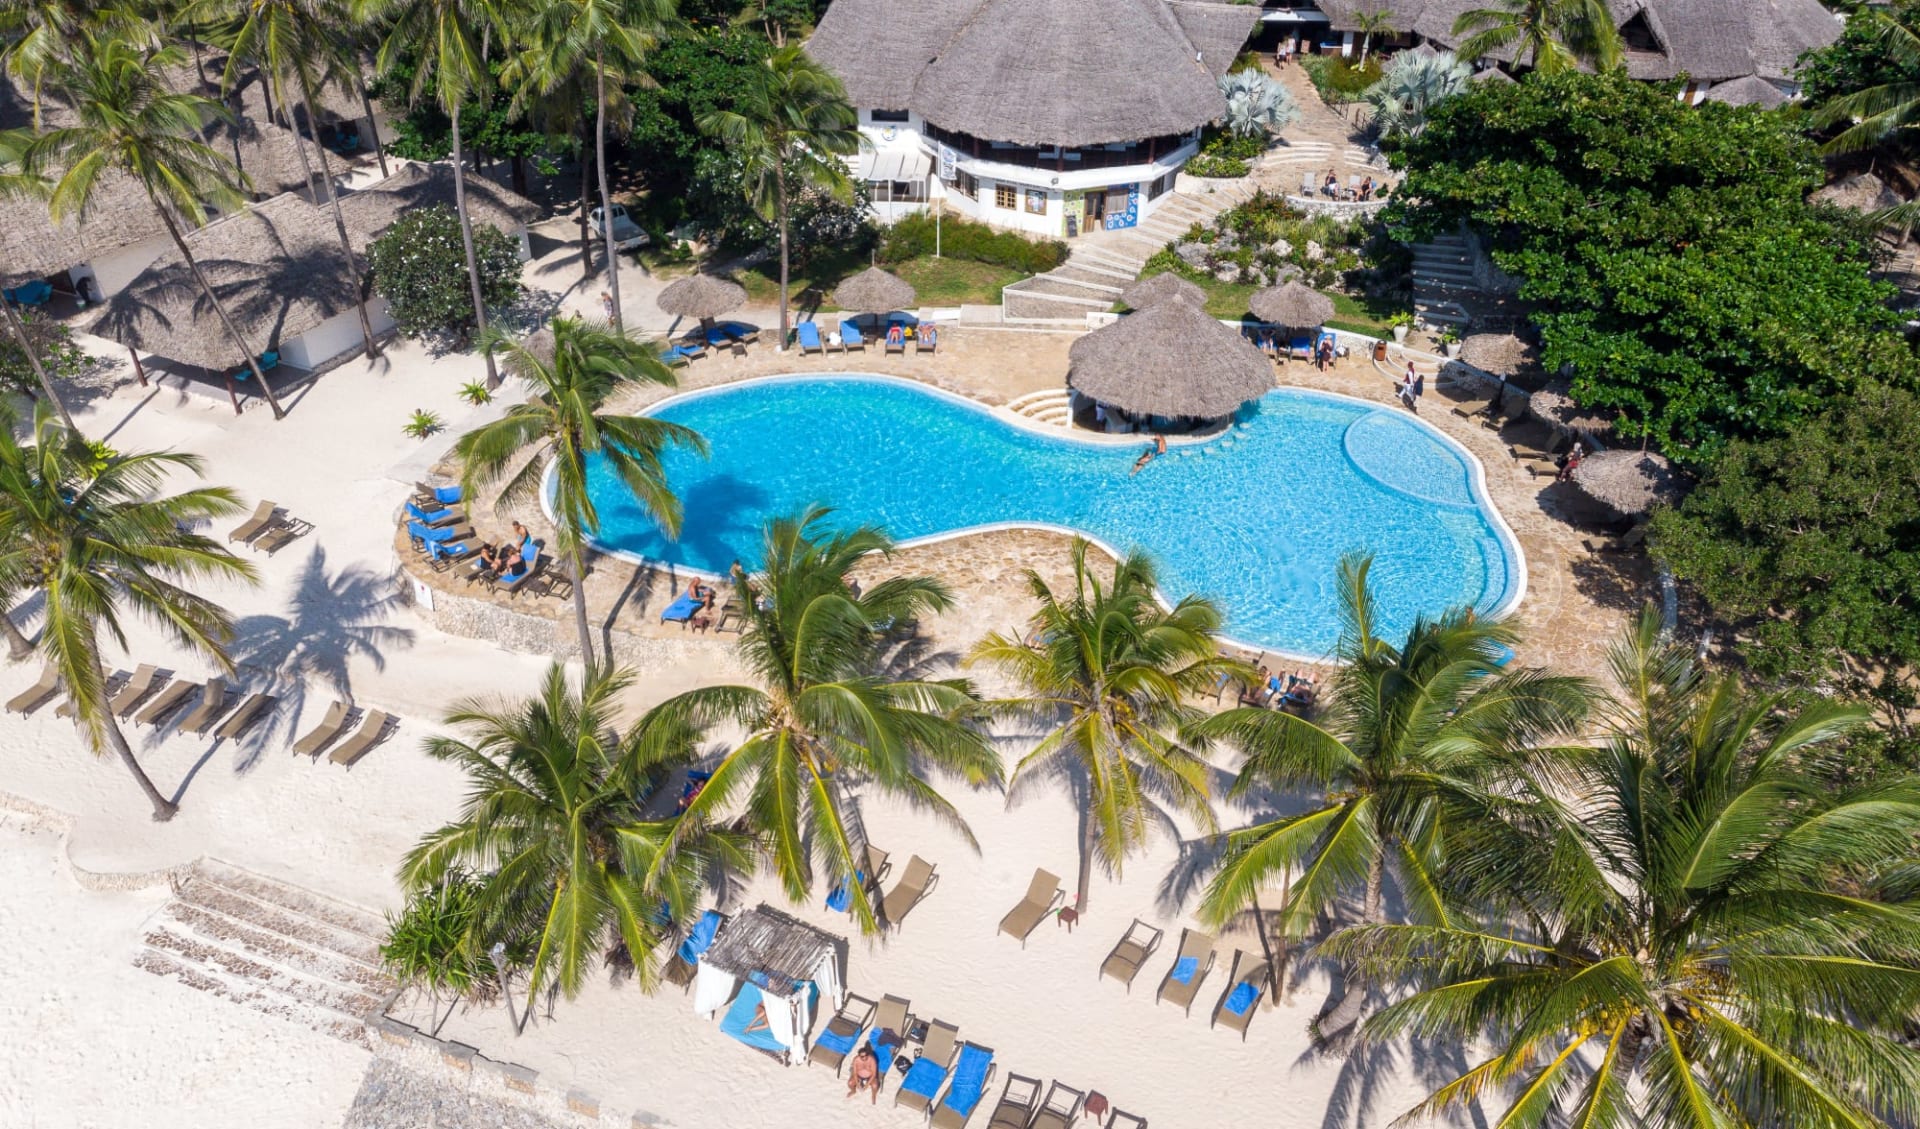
(372, 731)
(255, 525)
(1131, 951)
(1061, 1108)
(944, 1116)
(877, 867)
(1193, 944)
(1124, 1120)
(322, 735)
(36, 695)
(213, 703)
(166, 701)
(922, 343)
(282, 535)
(145, 679)
(848, 1022)
(1247, 969)
(1017, 1102)
(512, 586)
(1043, 895)
(250, 711)
(914, 886)
(942, 1044)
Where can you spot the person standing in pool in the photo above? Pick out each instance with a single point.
(1159, 448)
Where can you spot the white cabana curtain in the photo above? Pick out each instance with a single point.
(712, 989)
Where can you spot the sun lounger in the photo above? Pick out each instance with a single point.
(435, 498)
(250, 711)
(1018, 1100)
(255, 525)
(139, 686)
(1061, 1108)
(682, 353)
(1190, 967)
(213, 703)
(323, 734)
(36, 695)
(442, 556)
(1121, 1119)
(435, 519)
(1300, 347)
(513, 580)
(896, 343)
(682, 609)
(890, 1022)
(836, 1040)
(1043, 896)
(1307, 183)
(1251, 977)
(165, 702)
(850, 337)
(1631, 539)
(1134, 947)
(685, 961)
(1467, 409)
(1353, 186)
(929, 1072)
(972, 1074)
(877, 866)
(372, 731)
(808, 334)
(282, 535)
(914, 886)
(926, 339)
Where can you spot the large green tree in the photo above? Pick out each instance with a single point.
(828, 713)
(1667, 249)
(1867, 83)
(1703, 935)
(1412, 741)
(1549, 35)
(1109, 672)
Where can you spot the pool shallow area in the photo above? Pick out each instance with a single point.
(1256, 519)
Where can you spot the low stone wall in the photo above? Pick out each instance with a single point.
(1339, 209)
(489, 1080)
(555, 636)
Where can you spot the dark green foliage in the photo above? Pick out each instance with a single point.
(422, 132)
(913, 238)
(1223, 168)
(52, 342)
(432, 943)
(1668, 248)
(1858, 59)
(1226, 143)
(719, 204)
(694, 75)
(420, 268)
(1339, 81)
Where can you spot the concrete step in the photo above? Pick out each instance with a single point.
(341, 915)
(1089, 269)
(266, 945)
(1037, 307)
(1086, 278)
(1046, 395)
(214, 960)
(310, 931)
(259, 998)
(1046, 286)
(1443, 276)
(1112, 258)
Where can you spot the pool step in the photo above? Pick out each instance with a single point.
(1050, 406)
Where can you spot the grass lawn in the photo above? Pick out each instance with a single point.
(1355, 315)
(938, 282)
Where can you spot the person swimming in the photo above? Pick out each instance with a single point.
(1159, 448)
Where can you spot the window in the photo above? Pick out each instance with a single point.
(887, 115)
(1006, 196)
(1159, 187)
(1036, 202)
(966, 184)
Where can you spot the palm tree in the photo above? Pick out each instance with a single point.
(562, 106)
(1699, 941)
(575, 35)
(17, 186)
(1108, 668)
(1411, 740)
(563, 856)
(575, 367)
(35, 36)
(97, 538)
(1550, 35)
(127, 121)
(1411, 88)
(1878, 112)
(450, 40)
(297, 45)
(1371, 22)
(822, 719)
(793, 124)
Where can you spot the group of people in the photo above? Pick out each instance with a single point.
(509, 557)
(1569, 461)
(1412, 386)
(1331, 187)
(1276, 691)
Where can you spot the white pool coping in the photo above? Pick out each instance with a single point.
(1476, 475)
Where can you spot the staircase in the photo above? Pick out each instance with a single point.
(270, 946)
(1443, 280)
(1049, 406)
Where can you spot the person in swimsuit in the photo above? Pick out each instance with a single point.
(864, 1073)
(1159, 448)
(509, 550)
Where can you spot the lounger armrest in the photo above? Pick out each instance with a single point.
(1152, 947)
(1053, 903)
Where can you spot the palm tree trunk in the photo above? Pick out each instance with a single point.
(1087, 831)
(39, 371)
(466, 241)
(233, 331)
(1339, 1020)
(586, 206)
(339, 219)
(780, 202)
(18, 645)
(577, 561)
(373, 124)
(163, 808)
(299, 146)
(606, 198)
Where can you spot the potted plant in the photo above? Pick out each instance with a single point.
(1450, 340)
(1401, 322)
(422, 424)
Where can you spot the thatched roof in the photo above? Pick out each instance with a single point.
(1291, 304)
(763, 939)
(874, 291)
(1501, 354)
(1863, 192)
(1169, 359)
(1037, 72)
(1554, 405)
(1630, 483)
(373, 209)
(277, 267)
(1163, 287)
(1748, 90)
(702, 296)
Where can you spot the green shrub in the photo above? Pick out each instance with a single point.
(913, 238)
(434, 943)
(1225, 143)
(1216, 167)
(420, 268)
(1337, 80)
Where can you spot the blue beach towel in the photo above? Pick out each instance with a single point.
(924, 1078)
(850, 333)
(1184, 968)
(700, 937)
(1242, 997)
(969, 1079)
(884, 1048)
(681, 609)
(842, 897)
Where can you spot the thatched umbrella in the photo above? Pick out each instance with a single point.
(1629, 483)
(1155, 289)
(1291, 304)
(1169, 359)
(1863, 192)
(702, 296)
(1554, 406)
(1501, 355)
(874, 291)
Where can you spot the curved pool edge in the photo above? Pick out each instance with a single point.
(1476, 474)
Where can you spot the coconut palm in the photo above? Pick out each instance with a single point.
(1699, 941)
(1109, 670)
(1549, 35)
(18, 186)
(564, 107)
(35, 35)
(569, 36)
(575, 367)
(565, 862)
(792, 123)
(1411, 88)
(298, 46)
(1256, 104)
(128, 122)
(93, 533)
(1369, 23)
(826, 715)
(1878, 112)
(1410, 739)
(449, 41)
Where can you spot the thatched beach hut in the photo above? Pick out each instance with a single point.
(1158, 288)
(1629, 483)
(1292, 305)
(1170, 366)
(770, 965)
(874, 291)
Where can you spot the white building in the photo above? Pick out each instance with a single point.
(1048, 116)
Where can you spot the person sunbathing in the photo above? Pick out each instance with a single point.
(759, 1019)
(509, 550)
(864, 1073)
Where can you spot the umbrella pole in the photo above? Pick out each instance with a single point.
(139, 371)
(233, 395)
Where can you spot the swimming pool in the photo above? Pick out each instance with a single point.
(1256, 519)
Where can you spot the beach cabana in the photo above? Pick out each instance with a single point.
(1554, 406)
(874, 291)
(769, 963)
(1158, 288)
(1170, 365)
(1292, 305)
(702, 297)
(1629, 483)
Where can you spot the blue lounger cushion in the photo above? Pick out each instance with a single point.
(700, 937)
(444, 517)
(446, 495)
(850, 333)
(809, 335)
(740, 1016)
(924, 1078)
(842, 897)
(838, 1042)
(1242, 997)
(681, 609)
(428, 534)
(884, 1048)
(969, 1079)
(1184, 968)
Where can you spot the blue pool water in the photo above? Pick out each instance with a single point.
(1256, 520)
